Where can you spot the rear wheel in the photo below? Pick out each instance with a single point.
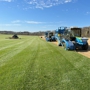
(59, 44)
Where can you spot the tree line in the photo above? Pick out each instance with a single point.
(85, 32)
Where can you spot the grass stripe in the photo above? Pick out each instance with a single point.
(40, 65)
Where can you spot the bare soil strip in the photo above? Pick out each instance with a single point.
(82, 52)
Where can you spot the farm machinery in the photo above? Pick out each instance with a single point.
(58, 35)
(14, 37)
(71, 38)
(49, 36)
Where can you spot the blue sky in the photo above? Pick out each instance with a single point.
(41, 15)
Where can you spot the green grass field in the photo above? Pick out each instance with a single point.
(31, 63)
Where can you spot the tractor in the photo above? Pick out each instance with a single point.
(70, 39)
(14, 37)
(58, 34)
(49, 36)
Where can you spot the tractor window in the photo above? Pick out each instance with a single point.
(51, 34)
(76, 31)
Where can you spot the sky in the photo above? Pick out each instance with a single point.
(42, 15)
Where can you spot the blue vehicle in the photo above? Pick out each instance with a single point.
(71, 39)
(58, 34)
(49, 36)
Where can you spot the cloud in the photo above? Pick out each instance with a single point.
(16, 21)
(7, 0)
(21, 23)
(10, 25)
(33, 22)
(46, 3)
(67, 1)
(27, 22)
(88, 13)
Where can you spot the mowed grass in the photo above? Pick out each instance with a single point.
(31, 63)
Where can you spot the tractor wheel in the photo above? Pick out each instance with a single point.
(85, 47)
(59, 44)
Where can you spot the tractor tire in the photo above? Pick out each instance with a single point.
(59, 44)
(85, 47)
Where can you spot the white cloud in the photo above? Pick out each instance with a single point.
(28, 22)
(33, 22)
(7, 0)
(46, 3)
(21, 22)
(16, 21)
(10, 25)
(88, 13)
(66, 1)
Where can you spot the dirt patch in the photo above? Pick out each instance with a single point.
(55, 43)
(82, 52)
(42, 37)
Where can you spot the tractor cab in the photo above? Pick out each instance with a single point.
(76, 31)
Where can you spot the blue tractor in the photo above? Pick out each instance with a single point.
(49, 36)
(58, 34)
(71, 39)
